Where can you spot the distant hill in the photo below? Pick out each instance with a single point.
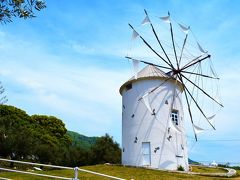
(193, 162)
(79, 140)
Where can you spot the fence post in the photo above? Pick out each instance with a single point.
(75, 173)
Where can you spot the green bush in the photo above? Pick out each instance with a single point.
(180, 168)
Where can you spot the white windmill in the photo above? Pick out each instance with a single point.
(153, 133)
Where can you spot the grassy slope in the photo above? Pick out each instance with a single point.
(119, 171)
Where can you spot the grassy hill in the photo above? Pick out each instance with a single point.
(79, 140)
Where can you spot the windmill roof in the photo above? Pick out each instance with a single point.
(148, 72)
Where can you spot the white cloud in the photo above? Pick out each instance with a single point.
(82, 95)
(79, 48)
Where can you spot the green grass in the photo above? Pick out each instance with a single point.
(202, 169)
(119, 171)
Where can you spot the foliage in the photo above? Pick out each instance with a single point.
(224, 165)
(236, 167)
(105, 151)
(81, 141)
(193, 162)
(36, 138)
(55, 128)
(15, 134)
(45, 139)
(19, 8)
(180, 168)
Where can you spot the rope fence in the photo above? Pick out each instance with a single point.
(76, 169)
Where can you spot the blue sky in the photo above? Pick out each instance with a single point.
(69, 62)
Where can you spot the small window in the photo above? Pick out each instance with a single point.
(174, 117)
(128, 86)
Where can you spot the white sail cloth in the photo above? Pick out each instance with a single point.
(201, 49)
(135, 67)
(173, 127)
(211, 120)
(184, 29)
(197, 129)
(134, 34)
(146, 20)
(166, 19)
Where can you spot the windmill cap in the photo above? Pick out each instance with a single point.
(150, 72)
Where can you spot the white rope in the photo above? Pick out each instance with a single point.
(37, 164)
(36, 174)
(113, 177)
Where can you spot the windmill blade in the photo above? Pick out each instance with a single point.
(148, 63)
(160, 85)
(184, 29)
(202, 90)
(211, 117)
(146, 20)
(154, 89)
(189, 109)
(149, 46)
(171, 124)
(166, 19)
(195, 62)
(199, 108)
(203, 75)
(201, 49)
(158, 40)
(173, 127)
(134, 34)
(184, 42)
(135, 67)
(195, 59)
(214, 74)
(173, 43)
(197, 129)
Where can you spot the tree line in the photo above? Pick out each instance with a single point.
(44, 139)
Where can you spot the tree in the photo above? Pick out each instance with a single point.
(19, 8)
(53, 127)
(53, 142)
(40, 138)
(15, 133)
(105, 151)
(44, 139)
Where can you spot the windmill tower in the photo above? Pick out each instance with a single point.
(152, 124)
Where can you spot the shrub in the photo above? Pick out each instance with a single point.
(180, 168)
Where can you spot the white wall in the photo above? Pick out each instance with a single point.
(154, 129)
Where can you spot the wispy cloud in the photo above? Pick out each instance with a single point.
(86, 94)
